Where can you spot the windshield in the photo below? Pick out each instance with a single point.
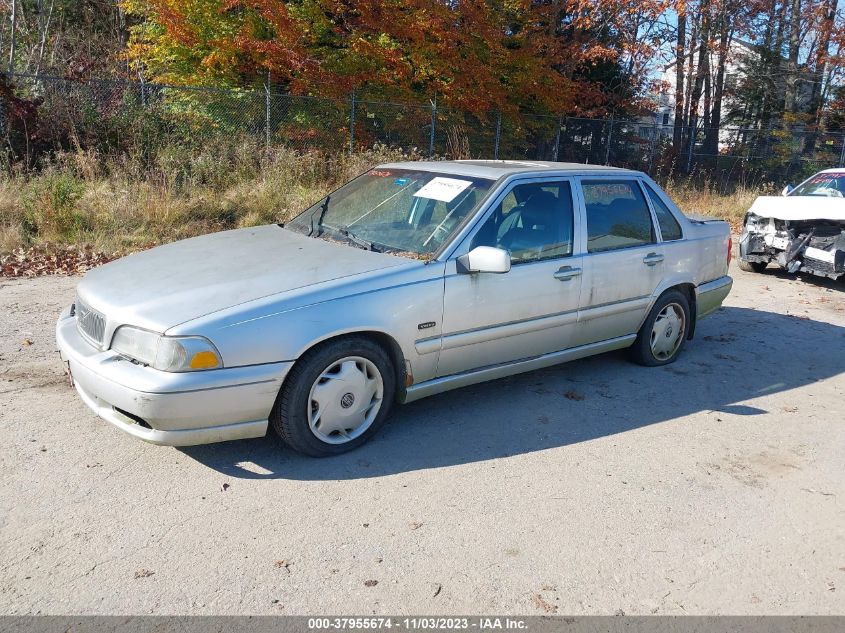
(831, 185)
(401, 210)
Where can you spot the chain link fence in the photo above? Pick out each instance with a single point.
(40, 114)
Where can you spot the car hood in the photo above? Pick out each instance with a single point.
(796, 208)
(171, 284)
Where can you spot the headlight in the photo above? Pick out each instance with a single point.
(166, 353)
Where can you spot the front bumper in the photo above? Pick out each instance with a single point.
(172, 409)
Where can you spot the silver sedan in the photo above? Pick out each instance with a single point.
(412, 279)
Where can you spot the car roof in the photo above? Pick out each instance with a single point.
(495, 169)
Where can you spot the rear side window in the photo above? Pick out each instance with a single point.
(669, 227)
(617, 215)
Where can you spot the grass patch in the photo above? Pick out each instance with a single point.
(708, 199)
(120, 204)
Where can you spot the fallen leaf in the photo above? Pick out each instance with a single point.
(225, 487)
(53, 259)
(283, 564)
(143, 573)
(540, 603)
(370, 583)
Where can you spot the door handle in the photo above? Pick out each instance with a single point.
(566, 273)
(653, 258)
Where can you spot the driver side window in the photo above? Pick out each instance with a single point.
(534, 222)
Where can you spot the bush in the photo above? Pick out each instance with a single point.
(49, 208)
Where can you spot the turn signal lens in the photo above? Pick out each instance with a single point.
(204, 360)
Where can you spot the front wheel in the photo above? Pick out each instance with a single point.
(335, 398)
(752, 267)
(664, 333)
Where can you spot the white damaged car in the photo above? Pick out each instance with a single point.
(802, 230)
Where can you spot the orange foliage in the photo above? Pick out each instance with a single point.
(472, 54)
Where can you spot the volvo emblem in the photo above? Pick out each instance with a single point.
(347, 400)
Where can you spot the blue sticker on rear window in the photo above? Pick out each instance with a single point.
(400, 181)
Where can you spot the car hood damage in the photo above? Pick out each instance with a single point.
(171, 284)
(798, 208)
(799, 233)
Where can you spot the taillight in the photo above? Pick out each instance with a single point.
(730, 248)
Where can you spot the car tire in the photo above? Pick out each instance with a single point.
(752, 267)
(664, 332)
(319, 407)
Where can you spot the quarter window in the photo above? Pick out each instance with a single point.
(669, 227)
(534, 222)
(617, 215)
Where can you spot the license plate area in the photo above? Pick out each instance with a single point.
(780, 243)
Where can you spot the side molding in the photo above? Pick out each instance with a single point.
(447, 383)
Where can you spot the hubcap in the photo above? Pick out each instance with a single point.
(345, 400)
(668, 331)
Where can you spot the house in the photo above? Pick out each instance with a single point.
(741, 55)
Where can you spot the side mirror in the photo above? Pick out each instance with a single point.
(484, 259)
(787, 190)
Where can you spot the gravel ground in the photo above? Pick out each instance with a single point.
(714, 485)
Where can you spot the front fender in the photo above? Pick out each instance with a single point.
(278, 331)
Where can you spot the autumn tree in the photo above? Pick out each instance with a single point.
(473, 54)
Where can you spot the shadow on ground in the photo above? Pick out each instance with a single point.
(739, 354)
(777, 272)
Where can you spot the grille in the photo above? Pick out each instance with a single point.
(91, 323)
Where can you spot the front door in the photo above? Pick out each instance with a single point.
(531, 310)
(623, 264)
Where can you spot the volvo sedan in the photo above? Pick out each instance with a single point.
(410, 280)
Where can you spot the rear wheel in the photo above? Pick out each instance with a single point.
(752, 267)
(335, 398)
(664, 333)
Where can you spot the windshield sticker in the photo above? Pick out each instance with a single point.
(828, 177)
(400, 181)
(443, 189)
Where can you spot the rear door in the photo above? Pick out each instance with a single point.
(623, 263)
(532, 309)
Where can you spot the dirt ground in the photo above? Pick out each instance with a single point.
(714, 485)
